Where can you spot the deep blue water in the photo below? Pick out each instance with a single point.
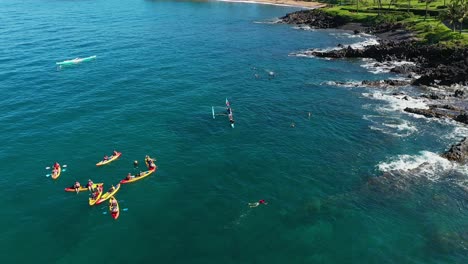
(160, 67)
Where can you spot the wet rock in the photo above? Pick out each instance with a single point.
(448, 242)
(458, 152)
(463, 118)
(459, 93)
(449, 107)
(314, 18)
(404, 69)
(385, 83)
(433, 96)
(435, 64)
(430, 113)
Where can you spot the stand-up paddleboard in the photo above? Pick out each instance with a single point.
(75, 61)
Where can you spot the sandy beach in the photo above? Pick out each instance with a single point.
(302, 4)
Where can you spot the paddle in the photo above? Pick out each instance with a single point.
(125, 209)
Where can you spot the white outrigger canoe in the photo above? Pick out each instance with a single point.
(228, 113)
(76, 60)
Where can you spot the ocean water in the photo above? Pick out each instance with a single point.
(358, 182)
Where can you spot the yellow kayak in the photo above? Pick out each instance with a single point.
(137, 178)
(82, 188)
(111, 159)
(93, 201)
(115, 214)
(108, 195)
(55, 176)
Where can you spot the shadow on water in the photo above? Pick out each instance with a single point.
(390, 215)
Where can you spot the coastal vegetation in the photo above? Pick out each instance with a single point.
(416, 44)
(433, 21)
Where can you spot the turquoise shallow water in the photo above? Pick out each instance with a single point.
(160, 67)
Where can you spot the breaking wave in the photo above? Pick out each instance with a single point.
(393, 126)
(397, 102)
(357, 45)
(383, 67)
(427, 165)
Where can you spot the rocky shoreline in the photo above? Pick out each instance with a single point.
(430, 64)
(400, 52)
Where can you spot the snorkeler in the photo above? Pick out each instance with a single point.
(251, 205)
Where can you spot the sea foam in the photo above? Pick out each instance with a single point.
(397, 102)
(428, 165)
(383, 67)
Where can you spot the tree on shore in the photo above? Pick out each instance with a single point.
(427, 6)
(463, 13)
(379, 3)
(457, 11)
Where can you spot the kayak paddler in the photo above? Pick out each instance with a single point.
(95, 194)
(115, 153)
(148, 159)
(77, 186)
(56, 169)
(150, 162)
(113, 204)
(106, 158)
(54, 172)
(111, 189)
(129, 176)
(151, 165)
(90, 185)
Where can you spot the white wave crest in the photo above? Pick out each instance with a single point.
(383, 67)
(270, 21)
(447, 90)
(347, 35)
(393, 126)
(358, 45)
(459, 130)
(426, 164)
(304, 27)
(397, 102)
(365, 43)
(349, 84)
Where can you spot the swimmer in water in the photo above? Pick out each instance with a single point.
(293, 125)
(251, 205)
(271, 75)
(135, 164)
(310, 114)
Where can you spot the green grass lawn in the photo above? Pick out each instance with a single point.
(429, 31)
